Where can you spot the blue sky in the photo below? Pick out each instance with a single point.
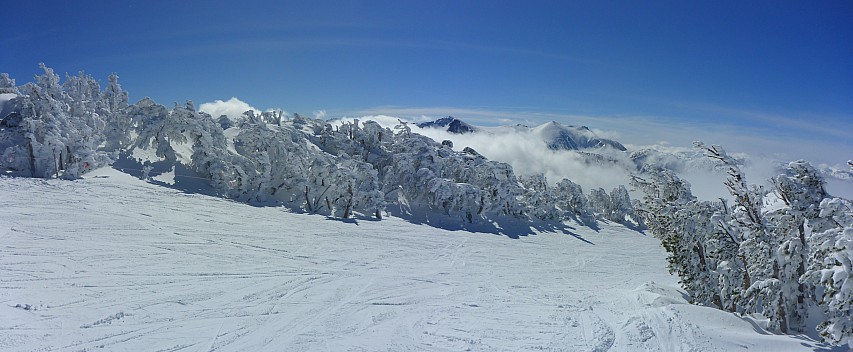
(779, 69)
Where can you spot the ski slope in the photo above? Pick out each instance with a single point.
(114, 263)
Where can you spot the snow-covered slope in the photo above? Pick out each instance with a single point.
(113, 263)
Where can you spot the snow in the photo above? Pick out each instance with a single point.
(4, 97)
(113, 262)
(4, 101)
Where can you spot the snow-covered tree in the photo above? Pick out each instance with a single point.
(152, 122)
(801, 189)
(830, 269)
(118, 125)
(622, 208)
(60, 129)
(685, 227)
(571, 199)
(7, 85)
(599, 201)
(764, 294)
(540, 199)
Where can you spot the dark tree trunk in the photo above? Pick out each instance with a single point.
(32, 159)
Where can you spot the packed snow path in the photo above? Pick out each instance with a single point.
(116, 263)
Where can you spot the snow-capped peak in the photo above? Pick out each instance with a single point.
(452, 125)
(562, 137)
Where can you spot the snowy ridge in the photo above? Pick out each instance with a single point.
(111, 262)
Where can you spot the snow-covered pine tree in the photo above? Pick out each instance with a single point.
(801, 189)
(7, 84)
(684, 226)
(830, 268)
(454, 199)
(622, 208)
(61, 133)
(498, 182)
(599, 201)
(118, 124)
(150, 120)
(573, 202)
(540, 200)
(732, 278)
(764, 293)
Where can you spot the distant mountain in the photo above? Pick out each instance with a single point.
(557, 136)
(561, 137)
(451, 124)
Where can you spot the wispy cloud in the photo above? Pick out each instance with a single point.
(840, 126)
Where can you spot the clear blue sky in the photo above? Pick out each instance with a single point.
(775, 64)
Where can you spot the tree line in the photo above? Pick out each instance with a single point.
(64, 129)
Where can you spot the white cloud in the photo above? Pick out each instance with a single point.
(233, 108)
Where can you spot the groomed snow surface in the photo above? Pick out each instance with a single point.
(111, 262)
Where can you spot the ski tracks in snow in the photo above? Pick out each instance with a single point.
(114, 263)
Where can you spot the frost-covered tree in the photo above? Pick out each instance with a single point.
(622, 208)
(758, 245)
(455, 199)
(59, 129)
(801, 190)
(571, 199)
(599, 201)
(277, 161)
(118, 125)
(540, 199)
(685, 227)
(413, 161)
(7, 85)
(151, 121)
(830, 268)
